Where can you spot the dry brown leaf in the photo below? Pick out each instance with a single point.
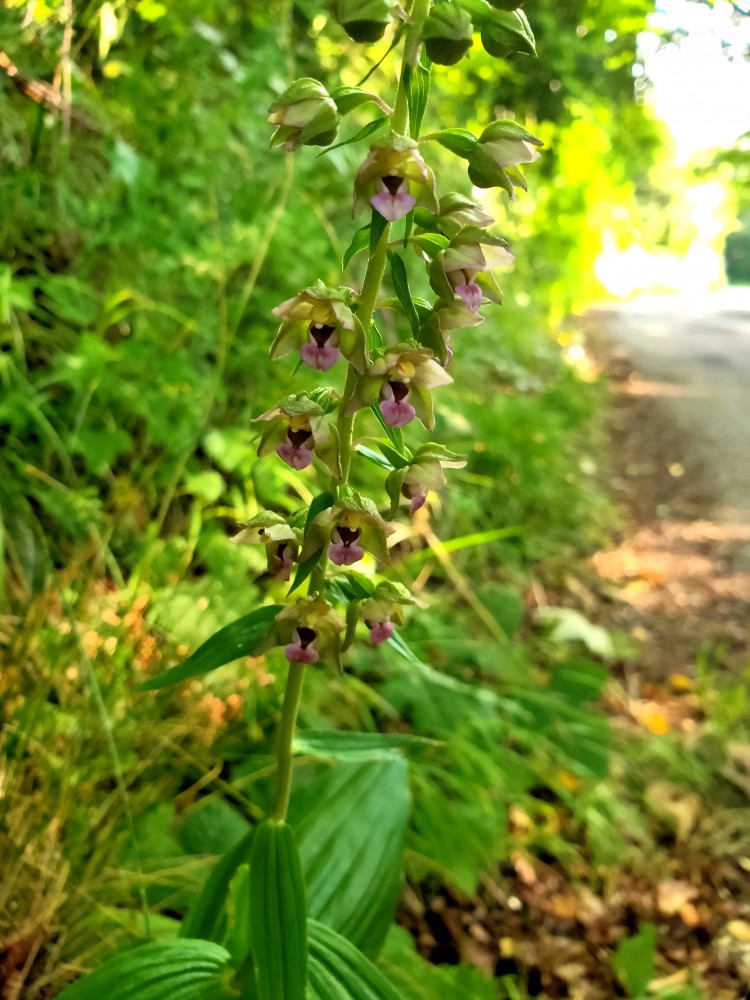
(674, 803)
(671, 896)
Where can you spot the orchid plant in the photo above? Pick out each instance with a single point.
(273, 952)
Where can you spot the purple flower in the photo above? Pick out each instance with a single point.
(281, 560)
(392, 202)
(344, 550)
(469, 291)
(380, 631)
(302, 650)
(320, 351)
(394, 404)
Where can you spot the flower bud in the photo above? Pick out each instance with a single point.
(365, 20)
(447, 34)
(505, 32)
(500, 148)
(305, 114)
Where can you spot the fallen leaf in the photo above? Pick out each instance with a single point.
(671, 896)
(672, 802)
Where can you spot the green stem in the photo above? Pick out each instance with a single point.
(292, 696)
(367, 299)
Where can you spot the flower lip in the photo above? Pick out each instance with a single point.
(393, 183)
(321, 333)
(298, 438)
(379, 631)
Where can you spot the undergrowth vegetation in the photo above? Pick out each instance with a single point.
(146, 233)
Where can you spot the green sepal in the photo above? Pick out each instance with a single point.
(458, 140)
(484, 172)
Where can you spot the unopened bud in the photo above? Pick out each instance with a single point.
(305, 114)
(447, 34)
(365, 20)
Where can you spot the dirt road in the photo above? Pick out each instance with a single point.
(680, 429)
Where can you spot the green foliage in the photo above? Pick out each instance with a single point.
(192, 969)
(278, 914)
(144, 243)
(634, 960)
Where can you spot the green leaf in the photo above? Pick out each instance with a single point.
(240, 638)
(579, 681)
(188, 969)
(417, 979)
(337, 745)
(305, 569)
(401, 288)
(394, 433)
(377, 228)
(350, 824)
(206, 917)
(417, 82)
(376, 125)
(374, 457)
(634, 960)
(278, 914)
(359, 242)
(338, 971)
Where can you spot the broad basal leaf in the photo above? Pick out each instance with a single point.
(338, 971)
(350, 825)
(184, 969)
(278, 914)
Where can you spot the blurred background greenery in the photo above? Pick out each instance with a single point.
(146, 232)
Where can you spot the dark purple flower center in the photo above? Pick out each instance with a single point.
(298, 438)
(400, 391)
(348, 536)
(392, 183)
(321, 333)
(306, 636)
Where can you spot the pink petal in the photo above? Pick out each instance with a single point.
(471, 294)
(345, 555)
(397, 414)
(295, 653)
(321, 358)
(381, 632)
(298, 458)
(393, 206)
